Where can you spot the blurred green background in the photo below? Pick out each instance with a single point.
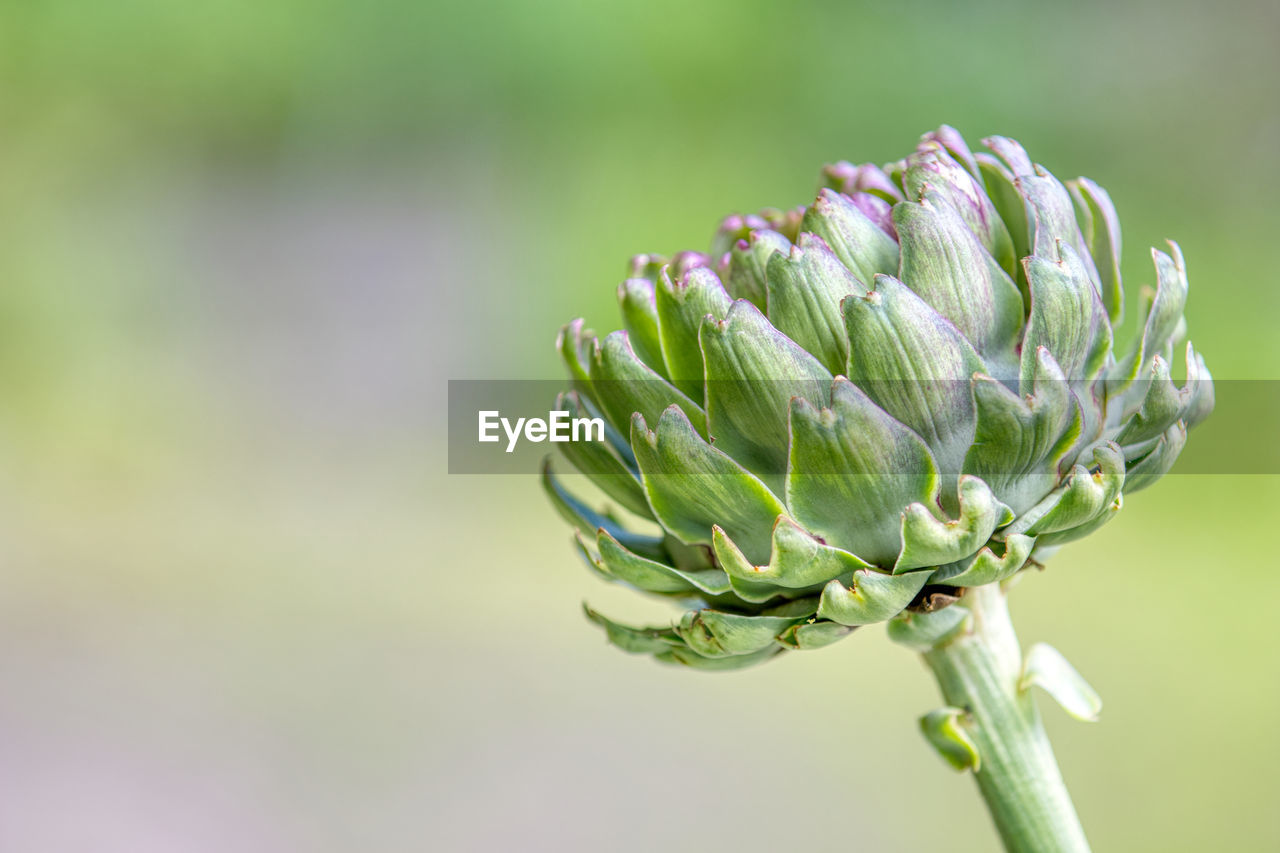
(245, 244)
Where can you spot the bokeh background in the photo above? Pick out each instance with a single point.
(244, 245)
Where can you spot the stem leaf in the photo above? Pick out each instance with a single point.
(1045, 667)
(944, 729)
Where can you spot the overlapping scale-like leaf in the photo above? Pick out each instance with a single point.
(1103, 239)
(746, 272)
(1146, 471)
(1019, 442)
(877, 210)
(846, 178)
(682, 303)
(576, 346)
(614, 559)
(1051, 218)
(951, 140)
(1163, 403)
(1161, 316)
(870, 597)
(693, 487)
(624, 385)
(712, 633)
(805, 287)
(716, 641)
(797, 559)
(687, 657)
(636, 298)
(853, 469)
(928, 541)
(932, 168)
(733, 229)
(1200, 381)
(815, 634)
(1084, 496)
(603, 461)
(753, 371)
(586, 519)
(1000, 174)
(988, 566)
(682, 263)
(635, 640)
(915, 365)
(943, 262)
(923, 630)
(1011, 153)
(1067, 318)
(646, 266)
(1071, 534)
(854, 237)
(785, 222)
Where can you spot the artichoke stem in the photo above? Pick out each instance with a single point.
(978, 671)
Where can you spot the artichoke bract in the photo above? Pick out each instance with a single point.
(850, 412)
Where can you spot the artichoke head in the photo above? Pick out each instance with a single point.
(849, 412)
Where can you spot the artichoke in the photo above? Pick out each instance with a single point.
(854, 411)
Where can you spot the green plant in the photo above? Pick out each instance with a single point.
(882, 407)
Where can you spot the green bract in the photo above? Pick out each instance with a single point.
(855, 409)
